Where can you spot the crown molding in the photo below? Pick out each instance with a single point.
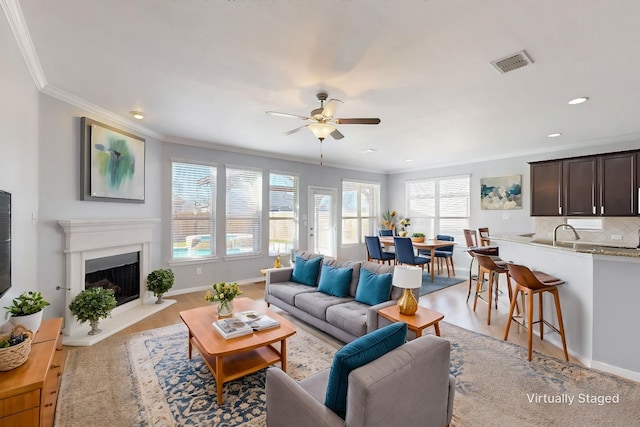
(100, 112)
(20, 31)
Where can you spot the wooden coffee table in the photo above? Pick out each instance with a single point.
(236, 357)
(423, 318)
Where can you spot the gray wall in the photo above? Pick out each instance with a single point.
(60, 193)
(248, 268)
(19, 162)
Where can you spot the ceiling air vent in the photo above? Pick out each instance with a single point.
(512, 62)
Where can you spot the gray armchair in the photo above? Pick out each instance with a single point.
(409, 386)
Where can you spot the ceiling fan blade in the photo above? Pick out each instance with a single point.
(295, 130)
(331, 107)
(359, 121)
(292, 116)
(336, 134)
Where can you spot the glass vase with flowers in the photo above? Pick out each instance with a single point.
(223, 294)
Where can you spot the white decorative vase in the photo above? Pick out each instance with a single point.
(30, 321)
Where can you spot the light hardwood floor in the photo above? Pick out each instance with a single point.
(450, 301)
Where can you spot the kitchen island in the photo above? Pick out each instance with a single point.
(602, 291)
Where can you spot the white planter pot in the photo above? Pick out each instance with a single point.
(30, 321)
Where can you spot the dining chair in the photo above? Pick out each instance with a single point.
(385, 232)
(375, 251)
(443, 253)
(405, 253)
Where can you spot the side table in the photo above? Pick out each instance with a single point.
(422, 319)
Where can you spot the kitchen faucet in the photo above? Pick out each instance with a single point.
(555, 232)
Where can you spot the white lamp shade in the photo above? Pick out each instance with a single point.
(407, 277)
(321, 130)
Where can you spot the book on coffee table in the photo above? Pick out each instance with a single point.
(232, 327)
(257, 320)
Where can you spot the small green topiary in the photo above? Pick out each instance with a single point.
(160, 281)
(93, 304)
(417, 235)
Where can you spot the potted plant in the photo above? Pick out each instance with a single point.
(92, 305)
(160, 281)
(27, 309)
(223, 293)
(417, 237)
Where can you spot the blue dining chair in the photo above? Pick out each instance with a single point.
(405, 253)
(446, 253)
(375, 250)
(385, 232)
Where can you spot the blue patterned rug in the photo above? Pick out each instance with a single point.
(440, 282)
(146, 379)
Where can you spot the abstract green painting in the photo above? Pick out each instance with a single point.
(115, 164)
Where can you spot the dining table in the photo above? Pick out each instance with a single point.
(428, 244)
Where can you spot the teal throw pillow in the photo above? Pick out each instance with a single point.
(373, 288)
(335, 281)
(358, 353)
(306, 271)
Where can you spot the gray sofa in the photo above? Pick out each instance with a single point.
(409, 386)
(342, 317)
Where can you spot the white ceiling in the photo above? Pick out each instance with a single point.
(208, 70)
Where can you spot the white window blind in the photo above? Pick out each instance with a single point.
(244, 211)
(439, 205)
(360, 210)
(193, 210)
(283, 213)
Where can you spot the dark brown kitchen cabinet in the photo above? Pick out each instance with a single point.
(579, 179)
(546, 188)
(600, 185)
(617, 177)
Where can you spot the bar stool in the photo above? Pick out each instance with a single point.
(486, 265)
(530, 283)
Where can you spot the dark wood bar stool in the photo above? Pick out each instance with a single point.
(530, 283)
(487, 266)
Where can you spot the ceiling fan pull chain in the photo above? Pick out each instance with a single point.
(321, 156)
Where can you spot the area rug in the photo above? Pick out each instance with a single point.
(440, 282)
(146, 380)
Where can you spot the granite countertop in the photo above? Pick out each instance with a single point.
(571, 245)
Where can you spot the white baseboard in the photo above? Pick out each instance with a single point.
(621, 372)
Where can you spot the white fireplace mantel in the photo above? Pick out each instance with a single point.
(88, 239)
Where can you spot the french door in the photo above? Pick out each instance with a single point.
(322, 221)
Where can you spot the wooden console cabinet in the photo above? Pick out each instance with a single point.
(28, 393)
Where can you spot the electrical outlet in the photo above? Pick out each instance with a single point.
(616, 237)
(198, 271)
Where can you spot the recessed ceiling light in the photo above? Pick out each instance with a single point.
(408, 160)
(577, 101)
(553, 135)
(137, 114)
(369, 150)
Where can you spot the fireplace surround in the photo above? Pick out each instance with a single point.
(93, 239)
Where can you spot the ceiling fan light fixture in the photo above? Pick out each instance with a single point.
(321, 130)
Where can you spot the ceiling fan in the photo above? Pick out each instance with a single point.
(323, 120)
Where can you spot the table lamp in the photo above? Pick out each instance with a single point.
(407, 278)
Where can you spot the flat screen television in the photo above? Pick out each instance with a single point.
(5, 242)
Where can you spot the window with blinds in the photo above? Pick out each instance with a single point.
(360, 210)
(193, 196)
(243, 211)
(283, 213)
(439, 205)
